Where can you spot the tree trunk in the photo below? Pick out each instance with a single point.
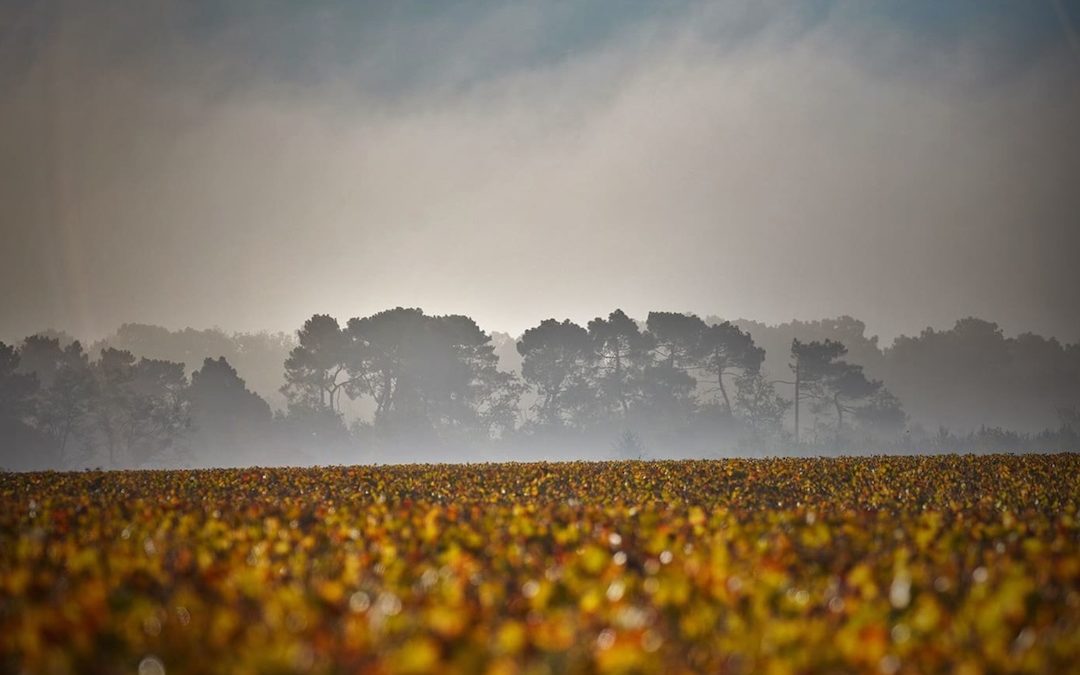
(619, 382)
(839, 416)
(384, 394)
(548, 407)
(68, 423)
(797, 401)
(723, 390)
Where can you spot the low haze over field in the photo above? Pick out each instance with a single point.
(192, 163)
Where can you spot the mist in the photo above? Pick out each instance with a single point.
(405, 386)
(185, 185)
(174, 164)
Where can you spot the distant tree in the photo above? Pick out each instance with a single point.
(558, 361)
(138, 409)
(678, 338)
(812, 363)
(16, 389)
(668, 382)
(63, 405)
(379, 348)
(727, 350)
(667, 394)
(62, 337)
(316, 370)
(1067, 436)
(149, 341)
(436, 374)
(161, 405)
(221, 404)
(623, 354)
(759, 405)
(113, 406)
(995, 439)
(311, 429)
(882, 414)
(257, 357)
(488, 398)
(17, 392)
(972, 375)
(862, 349)
(831, 382)
(846, 386)
(42, 356)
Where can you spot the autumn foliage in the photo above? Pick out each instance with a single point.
(891, 565)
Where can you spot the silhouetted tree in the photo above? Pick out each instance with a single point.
(16, 389)
(488, 399)
(379, 348)
(17, 392)
(113, 406)
(138, 409)
(679, 338)
(622, 352)
(845, 386)
(726, 350)
(433, 373)
(161, 407)
(559, 362)
(812, 363)
(439, 376)
(823, 376)
(225, 415)
(776, 339)
(758, 405)
(668, 382)
(257, 357)
(64, 405)
(667, 394)
(972, 375)
(316, 369)
(230, 424)
(42, 356)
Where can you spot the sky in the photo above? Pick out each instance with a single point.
(247, 164)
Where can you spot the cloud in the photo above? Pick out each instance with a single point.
(737, 161)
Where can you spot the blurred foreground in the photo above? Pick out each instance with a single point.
(892, 565)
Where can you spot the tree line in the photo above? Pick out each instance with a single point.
(402, 378)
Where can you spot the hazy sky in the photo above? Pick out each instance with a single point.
(246, 164)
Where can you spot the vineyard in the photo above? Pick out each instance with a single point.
(966, 564)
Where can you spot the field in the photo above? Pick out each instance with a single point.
(888, 565)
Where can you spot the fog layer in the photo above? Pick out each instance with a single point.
(182, 164)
